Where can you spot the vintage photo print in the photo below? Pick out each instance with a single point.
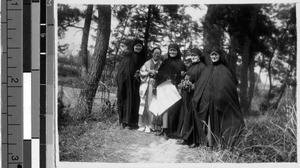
(161, 83)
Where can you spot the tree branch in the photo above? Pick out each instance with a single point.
(71, 25)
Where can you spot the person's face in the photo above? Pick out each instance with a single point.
(156, 54)
(137, 48)
(214, 56)
(195, 58)
(173, 52)
(187, 62)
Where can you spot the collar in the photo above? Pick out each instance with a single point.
(155, 62)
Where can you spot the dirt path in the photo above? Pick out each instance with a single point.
(160, 151)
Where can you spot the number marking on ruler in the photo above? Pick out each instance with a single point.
(12, 89)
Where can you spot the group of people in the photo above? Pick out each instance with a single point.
(208, 112)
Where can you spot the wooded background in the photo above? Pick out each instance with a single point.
(252, 36)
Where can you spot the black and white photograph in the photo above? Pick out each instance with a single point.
(176, 83)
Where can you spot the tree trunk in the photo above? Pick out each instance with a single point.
(246, 62)
(252, 82)
(244, 75)
(232, 59)
(294, 93)
(281, 91)
(83, 53)
(98, 59)
(270, 79)
(147, 31)
(270, 63)
(212, 35)
(233, 52)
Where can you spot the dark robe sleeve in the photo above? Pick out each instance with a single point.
(195, 71)
(225, 92)
(121, 80)
(200, 86)
(170, 69)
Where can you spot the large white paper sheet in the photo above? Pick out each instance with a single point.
(166, 96)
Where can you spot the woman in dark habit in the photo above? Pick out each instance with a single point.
(218, 116)
(170, 69)
(186, 119)
(128, 85)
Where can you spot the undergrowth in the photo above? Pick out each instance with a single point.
(267, 138)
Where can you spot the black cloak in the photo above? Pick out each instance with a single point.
(216, 97)
(171, 69)
(185, 126)
(128, 86)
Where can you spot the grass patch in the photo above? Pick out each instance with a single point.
(100, 142)
(267, 138)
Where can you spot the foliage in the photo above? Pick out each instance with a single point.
(271, 42)
(267, 138)
(62, 110)
(67, 17)
(67, 71)
(172, 23)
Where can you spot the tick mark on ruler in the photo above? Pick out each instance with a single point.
(9, 143)
(14, 86)
(14, 124)
(15, 163)
(11, 29)
(11, 67)
(14, 9)
(13, 47)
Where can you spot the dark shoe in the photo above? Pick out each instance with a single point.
(183, 142)
(194, 146)
(123, 126)
(166, 136)
(133, 126)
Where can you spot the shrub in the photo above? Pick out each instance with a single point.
(62, 110)
(68, 71)
(72, 82)
(267, 138)
(271, 138)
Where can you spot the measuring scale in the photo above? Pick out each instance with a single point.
(12, 84)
